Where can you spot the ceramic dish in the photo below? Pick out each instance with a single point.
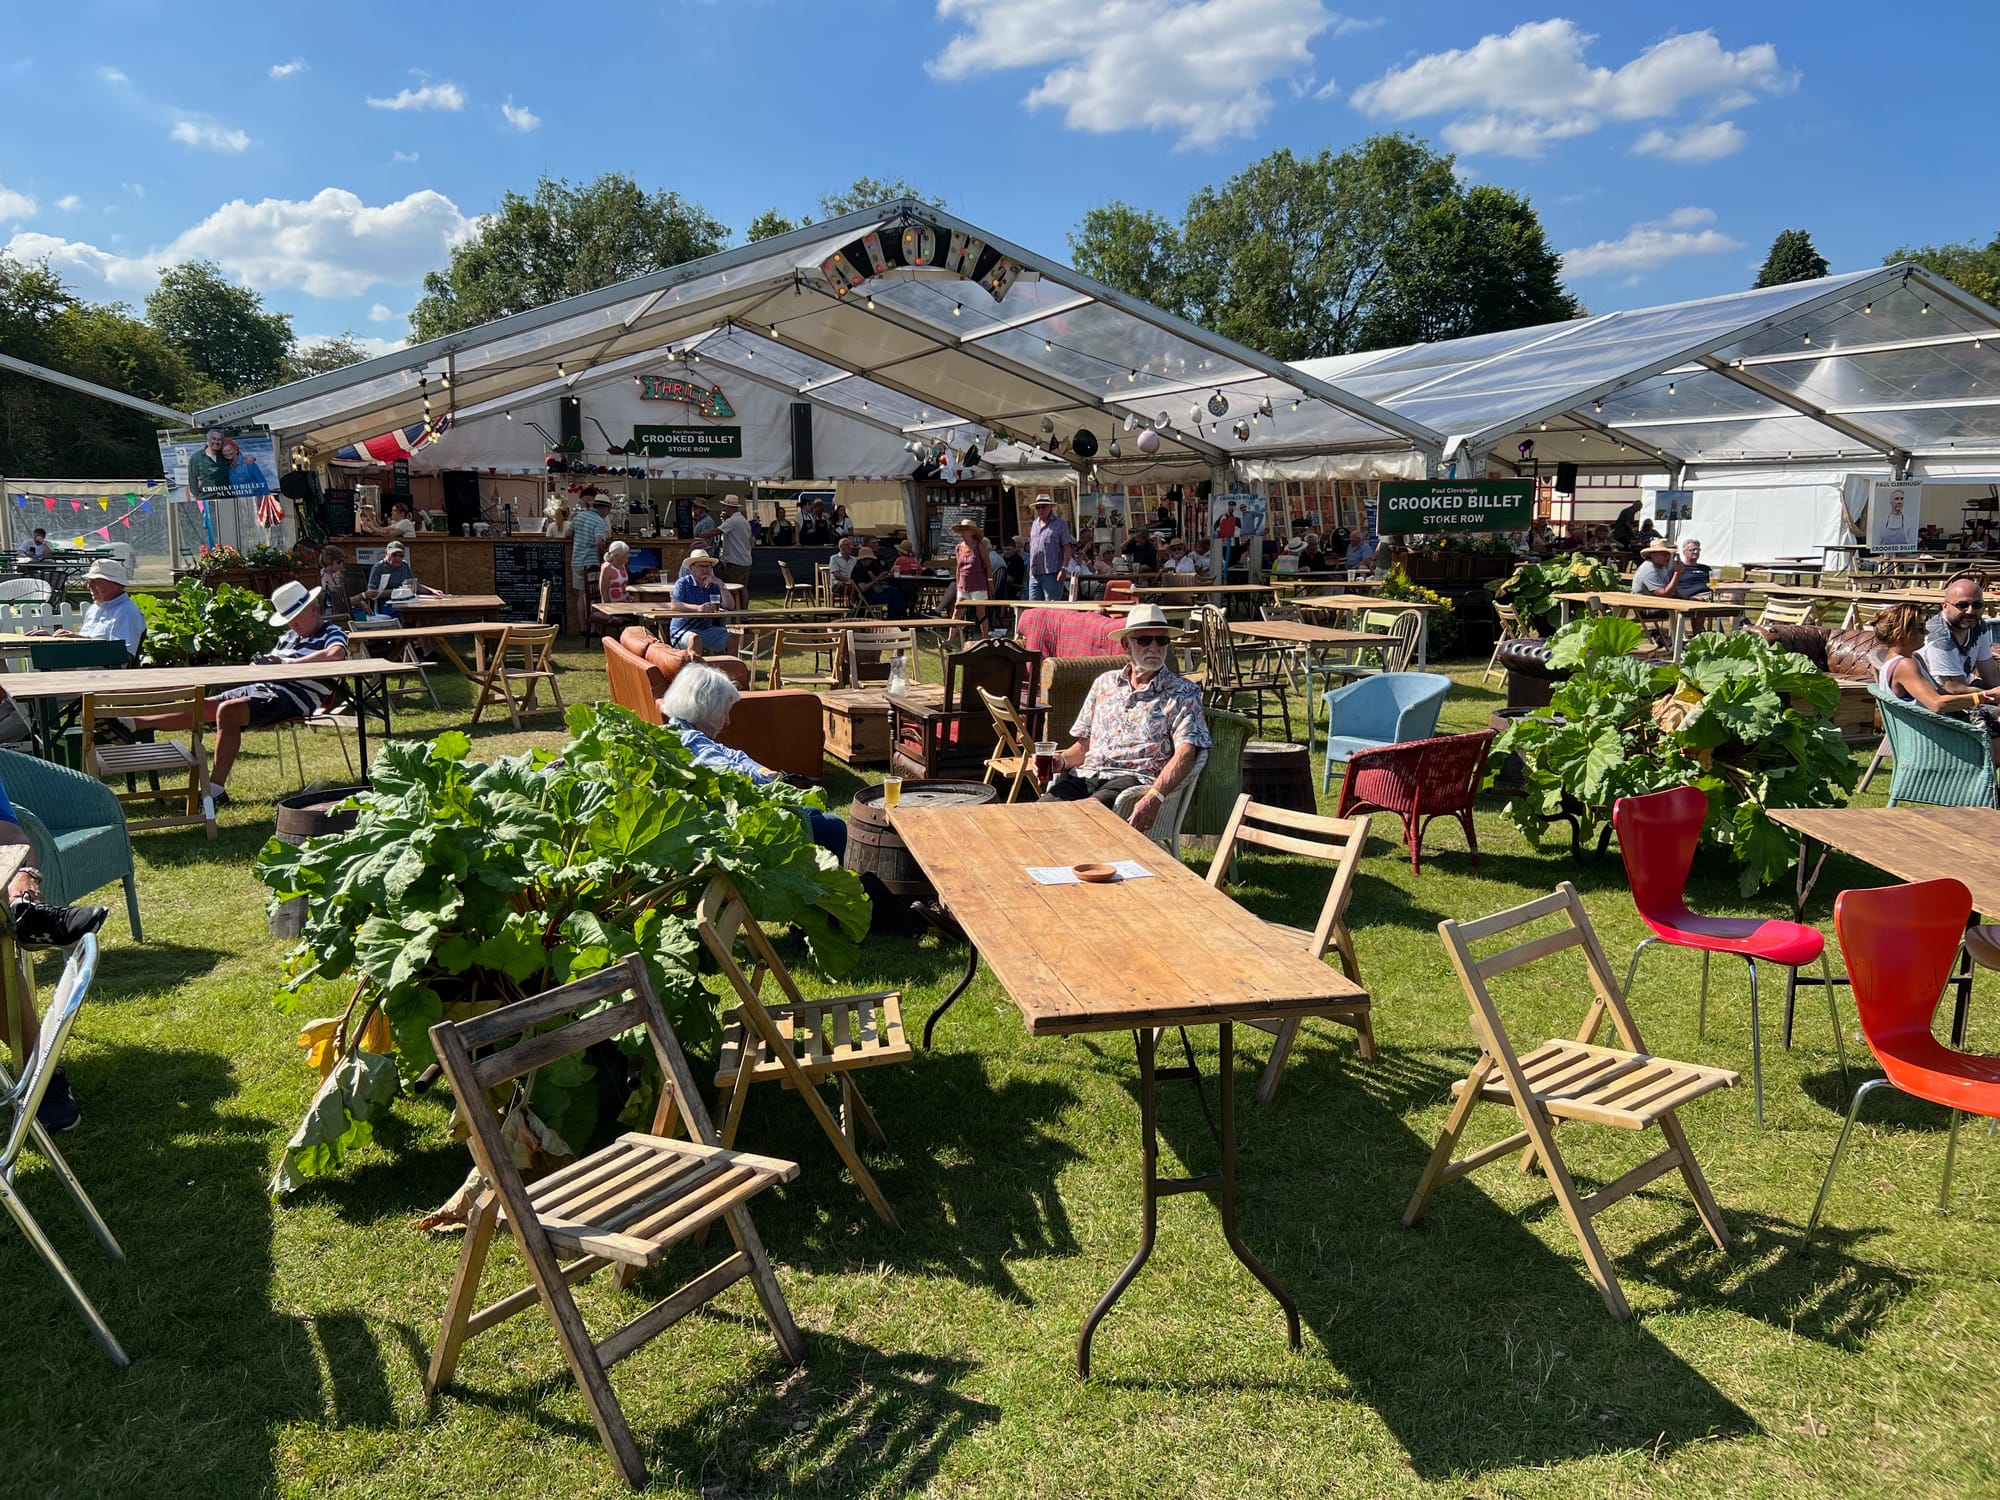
(1095, 874)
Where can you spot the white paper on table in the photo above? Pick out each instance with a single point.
(1128, 869)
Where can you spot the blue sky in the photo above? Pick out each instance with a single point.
(330, 159)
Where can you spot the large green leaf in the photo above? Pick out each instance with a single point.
(358, 1090)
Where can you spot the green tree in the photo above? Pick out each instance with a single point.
(1974, 267)
(220, 329)
(866, 192)
(1132, 249)
(564, 240)
(1792, 258)
(322, 355)
(1475, 262)
(767, 226)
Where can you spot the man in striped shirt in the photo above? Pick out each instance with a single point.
(309, 636)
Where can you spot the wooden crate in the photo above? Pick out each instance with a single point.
(858, 722)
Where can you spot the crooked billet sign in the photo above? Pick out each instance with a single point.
(1415, 505)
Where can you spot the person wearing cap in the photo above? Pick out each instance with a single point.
(1140, 726)
(1655, 573)
(1051, 545)
(735, 543)
(614, 579)
(392, 573)
(113, 615)
(589, 530)
(704, 523)
(697, 588)
(308, 636)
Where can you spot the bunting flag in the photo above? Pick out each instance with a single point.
(104, 533)
(49, 501)
(76, 505)
(390, 446)
(103, 503)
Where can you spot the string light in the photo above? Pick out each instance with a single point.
(1670, 387)
(1868, 307)
(1926, 309)
(958, 309)
(1598, 407)
(1130, 376)
(1808, 338)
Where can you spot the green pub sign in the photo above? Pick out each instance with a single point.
(1418, 505)
(688, 442)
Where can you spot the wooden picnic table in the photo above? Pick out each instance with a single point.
(644, 613)
(1798, 570)
(1097, 605)
(1089, 958)
(479, 632)
(1682, 610)
(1912, 844)
(447, 609)
(1349, 603)
(363, 675)
(1299, 633)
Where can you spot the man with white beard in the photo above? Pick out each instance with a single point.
(1141, 725)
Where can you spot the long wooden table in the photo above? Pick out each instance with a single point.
(479, 632)
(1349, 603)
(1682, 610)
(447, 609)
(363, 675)
(1912, 844)
(1088, 958)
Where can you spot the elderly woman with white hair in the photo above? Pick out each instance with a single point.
(697, 703)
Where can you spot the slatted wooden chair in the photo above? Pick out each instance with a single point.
(795, 592)
(623, 1206)
(1562, 1081)
(1225, 681)
(1013, 753)
(1512, 628)
(120, 758)
(1402, 626)
(1339, 841)
(866, 655)
(823, 650)
(931, 741)
(799, 1043)
(1786, 612)
(536, 646)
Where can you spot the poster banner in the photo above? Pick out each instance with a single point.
(1236, 516)
(220, 463)
(1673, 505)
(1421, 505)
(1894, 514)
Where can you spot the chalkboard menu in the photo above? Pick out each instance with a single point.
(519, 571)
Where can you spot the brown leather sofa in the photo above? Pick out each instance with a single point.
(1851, 658)
(784, 730)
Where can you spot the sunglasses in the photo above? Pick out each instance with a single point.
(1150, 640)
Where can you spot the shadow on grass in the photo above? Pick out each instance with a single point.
(142, 971)
(217, 1373)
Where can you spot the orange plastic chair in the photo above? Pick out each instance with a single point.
(1116, 589)
(1901, 947)
(1657, 834)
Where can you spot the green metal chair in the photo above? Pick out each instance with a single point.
(76, 656)
(1221, 780)
(1938, 759)
(77, 828)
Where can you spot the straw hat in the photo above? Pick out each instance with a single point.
(1144, 617)
(108, 570)
(1658, 544)
(291, 599)
(731, 502)
(701, 555)
(965, 523)
(1041, 500)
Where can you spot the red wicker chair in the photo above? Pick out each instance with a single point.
(1420, 780)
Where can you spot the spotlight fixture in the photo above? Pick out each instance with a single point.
(1527, 446)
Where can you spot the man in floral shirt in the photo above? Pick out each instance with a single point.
(1140, 726)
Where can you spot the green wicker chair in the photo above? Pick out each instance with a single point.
(78, 830)
(1939, 760)
(1218, 771)
(1221, 781)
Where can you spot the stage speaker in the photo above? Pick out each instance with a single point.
(336, 513)
(569, 415)
(1565, 479)
(461, 499)
(802, 441)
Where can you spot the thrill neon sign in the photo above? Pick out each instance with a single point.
(706, 399)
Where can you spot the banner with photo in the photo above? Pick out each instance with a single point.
(1246, 511)
(1894, 516)
(220, 463)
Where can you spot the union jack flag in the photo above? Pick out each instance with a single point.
(391, 446)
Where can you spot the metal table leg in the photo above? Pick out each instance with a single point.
(940, 919)
(1154, 1187)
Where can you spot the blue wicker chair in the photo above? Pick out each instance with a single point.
(78, 830)
(1938, 760)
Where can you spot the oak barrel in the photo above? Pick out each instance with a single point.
(1279, 774)
(302, 816)
(875, 851)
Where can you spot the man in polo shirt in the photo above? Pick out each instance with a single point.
(1140, 726)
(1050, 547)
(733, 539)
(589, 529)
(309, 636)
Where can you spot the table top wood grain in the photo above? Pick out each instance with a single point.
(1298, 633)
(1364, 601)
(1164, 951)
(1663, 602)
(26, 686)
(1912, 843)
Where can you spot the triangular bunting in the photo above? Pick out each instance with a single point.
(104, 532)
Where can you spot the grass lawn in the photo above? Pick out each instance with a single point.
(279, 1349)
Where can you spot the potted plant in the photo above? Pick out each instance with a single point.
(213, 565)
(199, 623)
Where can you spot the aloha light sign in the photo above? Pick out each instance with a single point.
(706, 399)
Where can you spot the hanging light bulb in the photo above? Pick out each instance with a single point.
(1047, 345)
(508, 415)
(559, 368)
(1808, 338)
(871, 302)
(1598, 407)
(1926, 309)
(1295, 406)
(1130, 376)
(1868, 307)
(958, 309)
(1670, 387)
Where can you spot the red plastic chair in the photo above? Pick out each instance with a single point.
(1657, 834)
(1901, 946)
(1419, 780)
(1117, 589)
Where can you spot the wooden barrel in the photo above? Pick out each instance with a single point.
(302, 816)
(875, 851)
(1279, 774)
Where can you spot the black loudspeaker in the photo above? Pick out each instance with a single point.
(1565, 479)
(802, 441)
(461, 499)
(1203, 489)
(569, 415)
(336, 512)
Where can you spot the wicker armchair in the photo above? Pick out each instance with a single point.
(1066, 683)
(1221, 781)
(78, 830)
(1418, 781)
(1939, 760)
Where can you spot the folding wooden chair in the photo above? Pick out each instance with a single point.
(866, 654)
(624, 1205)
(1013, 752)
(1512, 628)
(800, 1042)
(796, 592)
(121, 757)
(1339, 841)
(537, 644)
(1625, 1088)
(1786, 612)
(822, 647)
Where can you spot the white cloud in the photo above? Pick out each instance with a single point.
(1531, 86)
(1198, 67)
(403, 156)
(382, 313)
(1644, 246)
(136, 189)
(69, 203)
(1709, 142)
(209, 136)
(112, 75)
(290, 69)
(520, 116)
(15, 205)
(329, 245)
(430, 96)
